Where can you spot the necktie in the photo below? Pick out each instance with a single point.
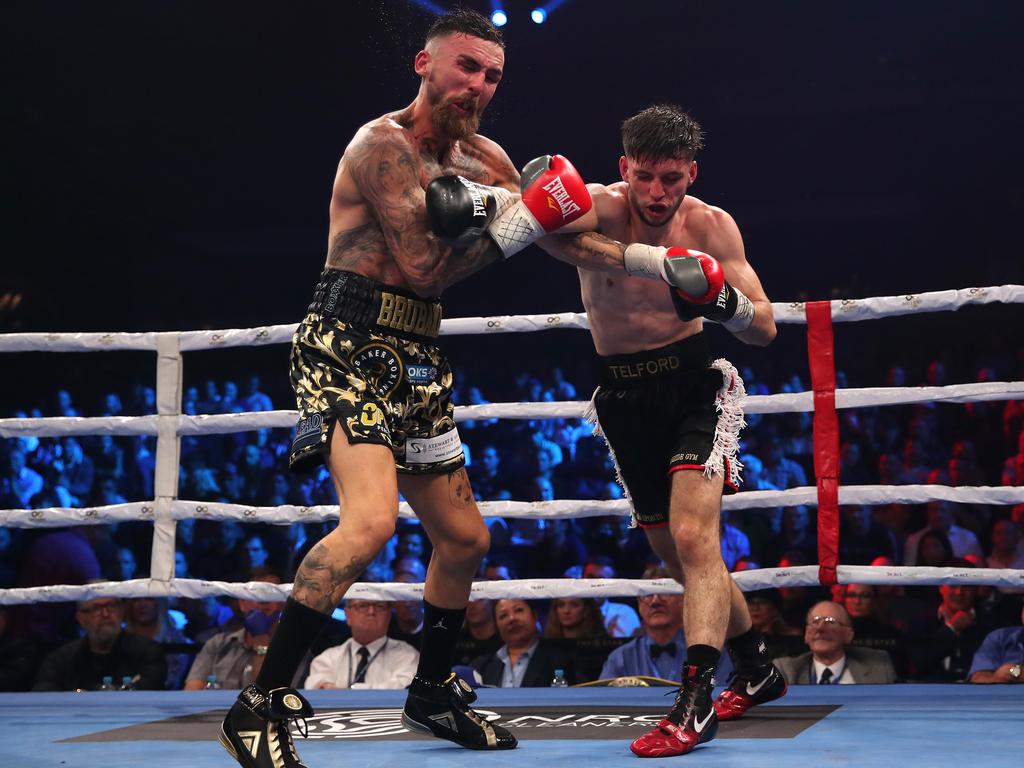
(657, 650)
(826, 677)
(364, 662)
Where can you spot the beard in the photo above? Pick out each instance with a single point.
(663, 218)
(448, 121)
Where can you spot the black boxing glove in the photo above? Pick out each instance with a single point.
(460, 210)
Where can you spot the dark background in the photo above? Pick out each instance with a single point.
(169, 164)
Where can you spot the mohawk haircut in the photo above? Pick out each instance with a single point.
(661, 132)
(466, 22)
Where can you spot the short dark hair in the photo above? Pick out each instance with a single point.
(661, 132)
(466, 22)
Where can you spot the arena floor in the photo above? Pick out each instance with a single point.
(856, 725)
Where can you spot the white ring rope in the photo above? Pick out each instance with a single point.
(170, 424)
(843, 310)
(532, 589)
(225, 423)
(561, 509)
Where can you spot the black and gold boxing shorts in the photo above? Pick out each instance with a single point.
(364, 358)
(668, 410)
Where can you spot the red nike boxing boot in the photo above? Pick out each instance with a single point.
(691, 721)
(748, 688)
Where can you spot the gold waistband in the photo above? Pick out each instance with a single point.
(408, 315)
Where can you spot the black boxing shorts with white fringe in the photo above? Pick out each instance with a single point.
(667, 410)
(364, 359)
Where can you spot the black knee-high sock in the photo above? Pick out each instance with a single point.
(441, 627)
(749, 649)
(295, 632)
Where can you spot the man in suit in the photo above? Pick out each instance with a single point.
(525, 660)
(659, 651)
(832, 660)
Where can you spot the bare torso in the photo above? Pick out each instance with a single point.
(385, 156)
(631, 314)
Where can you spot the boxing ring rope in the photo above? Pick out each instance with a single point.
(170, 424)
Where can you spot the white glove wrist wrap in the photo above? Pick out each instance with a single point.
(645, 261)
(515, 229)
(744, 316)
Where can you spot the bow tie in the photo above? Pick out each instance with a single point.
(657, 650)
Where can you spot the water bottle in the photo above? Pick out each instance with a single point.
(127, 684)
(212, 683)
(108, 684)
(558, 681)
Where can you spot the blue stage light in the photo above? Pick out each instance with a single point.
(499, 18)
(539, 15)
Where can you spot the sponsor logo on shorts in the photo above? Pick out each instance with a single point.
(686, 458)
(431, 450)
(370, 415)
(380, 365)
(421, 374)
(644, 368)
(334, 292)
(307, 432)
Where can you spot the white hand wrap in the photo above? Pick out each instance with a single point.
(645, 261)
(744, 316)
(515, 228)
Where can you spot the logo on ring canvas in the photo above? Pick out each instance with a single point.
(380, 365)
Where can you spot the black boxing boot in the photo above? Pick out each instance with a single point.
(255, 731)
(442, 710)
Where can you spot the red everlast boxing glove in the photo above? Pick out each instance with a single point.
(698, 284)
(553, 195)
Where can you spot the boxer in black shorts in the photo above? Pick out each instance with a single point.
(364, 359)
(666, 410)
(420, 201)
(671, 416)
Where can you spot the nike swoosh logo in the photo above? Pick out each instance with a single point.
(698, 725)
(752, 690)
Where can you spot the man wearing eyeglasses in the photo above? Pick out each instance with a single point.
(832, 660)
(661, 648)
(105, 651)
(369, 659)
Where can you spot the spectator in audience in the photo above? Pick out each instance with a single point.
(105, 651)
(524, 660)
(1006, 551)
(780, 471)
(410, 543)
(210, 403)
(574, 617)
(499, 569)
(934, 550)
(832, 659)
(255, 400)
(870, 631)
(1000, 657)
(236, 656)
(369, 659)
(150, 617)
(765, 606)
(940, 518)
(25, 482)
(256, 552)
(734, 542)
(64, 405)
(18, 658)
(488, 483)
(915, 463)
(126, 565)
(75, 471)
(9, 557)
(620, 620)
(479, 635)
(861, 539)
(108, 462)
(660, 650)
(407, 621)
(945, 653)
(796, 535)
(59, 557)
(1013, 467)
